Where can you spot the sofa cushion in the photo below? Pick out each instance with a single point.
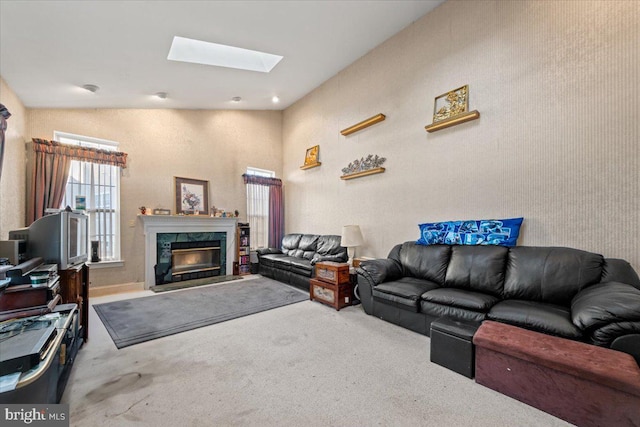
(479, 268)
(548, 274)
(328, 249)
(296, 253)
(301, 266)
(308, 245)
(283, 262)
(290, 243)
(424, 262)
(461, 298)
(270, 259)
(405, 292)
(457, 313)
(549, 318)
(605, 303)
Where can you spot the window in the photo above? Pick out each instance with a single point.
(258, 209)
(100, 184)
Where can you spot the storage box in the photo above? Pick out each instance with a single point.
(332, 272)
(452, 346)
(583, 384)
(337, 296)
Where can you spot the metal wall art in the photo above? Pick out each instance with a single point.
(365, 166)
(311, 158)
(452, 108)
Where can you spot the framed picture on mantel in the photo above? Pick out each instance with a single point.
(192, 196)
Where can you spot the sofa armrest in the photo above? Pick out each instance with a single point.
(372, 273)
(378, 271)
(604, 304)
(619, 270)
(267, 251)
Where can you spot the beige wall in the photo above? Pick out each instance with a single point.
(12, 182)
(556, 84)
(211, 145)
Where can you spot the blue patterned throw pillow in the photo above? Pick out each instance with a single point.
(502, 232)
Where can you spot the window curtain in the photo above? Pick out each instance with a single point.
(4, 115)
(258, 214)
(275, 208)
(276, 216)
(50, 171)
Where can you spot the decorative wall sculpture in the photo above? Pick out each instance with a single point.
(311, 158)
(365, 166)
(451, 108)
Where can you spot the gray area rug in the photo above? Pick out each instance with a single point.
(138, 320)
(192, 283)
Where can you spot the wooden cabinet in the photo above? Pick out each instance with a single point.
(243, 239)
(74, 289)
(332, 285)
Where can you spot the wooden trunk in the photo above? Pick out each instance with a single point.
(332, 272)
(337, 296)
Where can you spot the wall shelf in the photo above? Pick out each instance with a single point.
(311, 165)
(452, 121)
(363, 124)
(363, 173)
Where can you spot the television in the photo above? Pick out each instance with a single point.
(59, 238)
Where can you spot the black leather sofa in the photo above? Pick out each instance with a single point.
(559, 291)
(293, 263)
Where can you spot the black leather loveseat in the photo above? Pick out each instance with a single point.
(293, 263)
(559, 291)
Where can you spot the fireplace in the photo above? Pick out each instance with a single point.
(195, 260)
(188, 256)
(162, 230)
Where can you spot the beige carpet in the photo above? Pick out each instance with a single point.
(300, 365)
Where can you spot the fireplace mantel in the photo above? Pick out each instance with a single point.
(154, 224)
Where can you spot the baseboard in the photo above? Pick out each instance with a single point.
(115, 289)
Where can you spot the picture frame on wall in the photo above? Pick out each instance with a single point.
(451, 104)
(311, 157)
(192, 196)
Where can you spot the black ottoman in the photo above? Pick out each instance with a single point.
(452, 346)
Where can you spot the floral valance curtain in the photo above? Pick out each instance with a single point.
(262, 180)
(50, 171)
(276, 206)
(85, 154)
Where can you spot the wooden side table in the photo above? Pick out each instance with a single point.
(332, 285)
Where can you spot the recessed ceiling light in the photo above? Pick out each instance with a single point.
(236, 99)
(275, 99)
(201, 52)
(162, 95)
(91, 88)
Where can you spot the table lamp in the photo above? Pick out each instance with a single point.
(351, 237)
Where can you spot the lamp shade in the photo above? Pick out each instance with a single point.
(351, 236)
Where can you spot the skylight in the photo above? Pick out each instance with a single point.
(219, 55)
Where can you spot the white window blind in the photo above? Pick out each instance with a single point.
(100, 184)
(258, 209)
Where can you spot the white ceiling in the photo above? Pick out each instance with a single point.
(49, 49)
